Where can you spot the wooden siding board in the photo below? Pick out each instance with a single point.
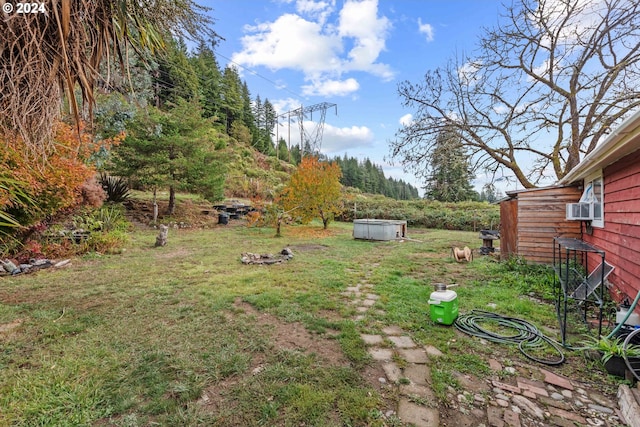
(627, 230)
(627, 167)
(508, 228)
(629, 194)
(629, 218)
(622, 183)
(540, 217)
(620, 237)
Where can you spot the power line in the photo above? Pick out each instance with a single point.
(255, 73)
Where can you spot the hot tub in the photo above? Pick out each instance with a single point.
(379, 229)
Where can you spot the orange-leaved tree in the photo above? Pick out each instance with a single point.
(55, 183)
(314, 190)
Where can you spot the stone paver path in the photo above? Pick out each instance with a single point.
(511, 397)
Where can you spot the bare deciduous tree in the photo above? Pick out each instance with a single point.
(543, 88)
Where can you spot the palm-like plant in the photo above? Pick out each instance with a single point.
(45, 55)
(11, 194)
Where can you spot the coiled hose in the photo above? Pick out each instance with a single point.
(525, 334)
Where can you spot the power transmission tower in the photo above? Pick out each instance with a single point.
(310, 142)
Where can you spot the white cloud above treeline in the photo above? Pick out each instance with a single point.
(323, 43)
(334, 139)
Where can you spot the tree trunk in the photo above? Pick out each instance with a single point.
(155, 206)
(172, 200)
(325, 219)
(278, 225)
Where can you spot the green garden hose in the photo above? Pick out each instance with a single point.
(525, 335)
(629, 311)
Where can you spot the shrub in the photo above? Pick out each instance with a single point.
(91, 193)
(466, 216)
(117, 188)
(107, 242)
(112, 218)
(58, 179)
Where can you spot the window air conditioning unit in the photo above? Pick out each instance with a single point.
(580, 211)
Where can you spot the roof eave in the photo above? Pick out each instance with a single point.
(624, 140)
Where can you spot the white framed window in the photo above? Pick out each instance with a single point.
(594, 193)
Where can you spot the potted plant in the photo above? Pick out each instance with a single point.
(612, 352)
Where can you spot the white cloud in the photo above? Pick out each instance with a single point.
(319, 10)
(283, 105)
(426, 29)
(323, 51)
(555, 13)
(334, 139)
(467, 73)
(359, 20)
(329, 88)
(338, 139)
(406, 120)
(289, 42)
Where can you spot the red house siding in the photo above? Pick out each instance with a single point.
(620, 237)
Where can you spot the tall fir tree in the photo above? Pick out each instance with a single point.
(450, 176)
(210, 78)
(231, 105)
(175, 77)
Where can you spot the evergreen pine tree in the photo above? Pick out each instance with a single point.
(450, 177)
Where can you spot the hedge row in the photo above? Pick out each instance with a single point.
(465, 216)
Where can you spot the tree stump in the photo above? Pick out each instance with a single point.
(161, 240)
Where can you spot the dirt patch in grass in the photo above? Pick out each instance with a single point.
(307, 247)
(188, 214)
(294, 336)
(311, 231)
(178, 253)
(7, 330)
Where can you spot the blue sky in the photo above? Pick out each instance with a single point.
(351, 53)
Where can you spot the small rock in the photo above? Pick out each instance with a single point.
(557, 396)
(382, 380)
(287, 252)
(510, 370)
(601, 409)
(595, 422)
(528, 406)
(432, 351)
(61, 263)
(567, 393)
(9, 266)
(495, 365)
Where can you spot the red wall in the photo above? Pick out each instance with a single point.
(620, 237)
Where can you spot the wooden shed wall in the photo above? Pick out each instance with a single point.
(541, 216)
(508, 228)
(620, 237)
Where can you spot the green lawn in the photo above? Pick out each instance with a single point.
(187, 335)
